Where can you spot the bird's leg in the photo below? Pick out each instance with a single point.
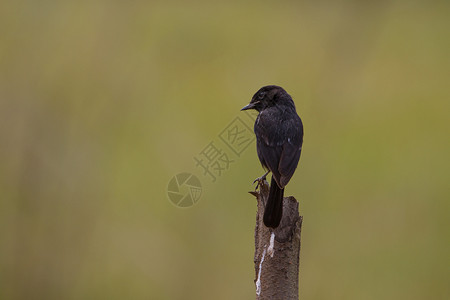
(259, 179)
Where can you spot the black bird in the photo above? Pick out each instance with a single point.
(279, 139)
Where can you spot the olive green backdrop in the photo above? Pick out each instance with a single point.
(103, 102)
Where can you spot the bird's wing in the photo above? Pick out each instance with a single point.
(288, 162)
(292, 148)
(269, 157)
(268, 148)
(279, 146)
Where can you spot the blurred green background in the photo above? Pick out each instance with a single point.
(102, 102)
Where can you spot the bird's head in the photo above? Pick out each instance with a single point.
(268, 96)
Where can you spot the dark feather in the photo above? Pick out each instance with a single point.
(279, 138)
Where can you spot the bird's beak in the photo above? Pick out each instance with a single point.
(249, 106)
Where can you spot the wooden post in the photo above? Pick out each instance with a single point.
(277, 252)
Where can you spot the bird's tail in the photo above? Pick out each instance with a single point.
(274, 206)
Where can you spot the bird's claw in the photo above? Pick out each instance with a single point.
(259, 180)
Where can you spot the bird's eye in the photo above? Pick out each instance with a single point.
(261, 95)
